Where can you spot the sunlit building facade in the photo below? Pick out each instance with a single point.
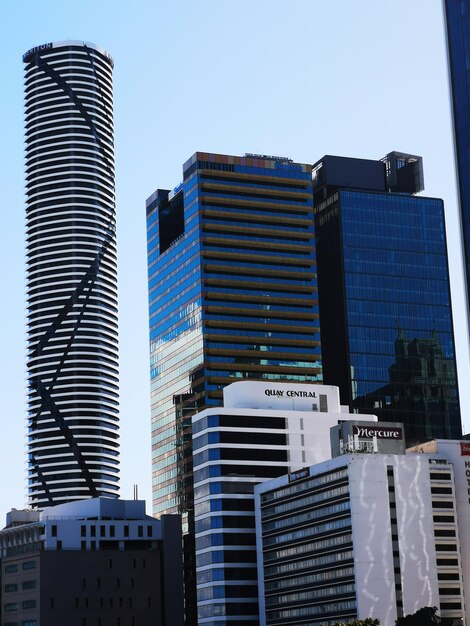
(384, 293)
(365, 535)
(264, 430)
(72, 360)
(232, 295)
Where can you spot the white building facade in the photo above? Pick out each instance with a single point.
(72, 360)
(362, 535)
(263, 431)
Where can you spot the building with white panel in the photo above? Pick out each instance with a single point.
(364, 535)
(264, 430)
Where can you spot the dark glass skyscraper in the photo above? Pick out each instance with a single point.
(71, 269)
(458, 40)
(232, 293)
(384, 294)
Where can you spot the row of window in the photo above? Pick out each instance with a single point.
(308, 531)
(310, 594)
(309, 579)
(311, 563)
(304, 517)
(111, 531)
(322, 544)
(27, 584)
(324, 609)
(306, 501)
(13, 567)
(8, 607)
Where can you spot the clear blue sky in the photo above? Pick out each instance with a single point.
(301, 78)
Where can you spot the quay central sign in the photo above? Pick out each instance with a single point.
(290, 393)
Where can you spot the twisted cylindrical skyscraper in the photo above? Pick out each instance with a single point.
(73, 440)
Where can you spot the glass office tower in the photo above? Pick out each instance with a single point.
(232, 295)
(385, 305)
(73, 424)
(457, 14)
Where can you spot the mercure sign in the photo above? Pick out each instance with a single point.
(381, 432)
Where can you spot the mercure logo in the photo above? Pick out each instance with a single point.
(367, 432)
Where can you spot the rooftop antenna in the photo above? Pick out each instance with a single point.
(136, 492)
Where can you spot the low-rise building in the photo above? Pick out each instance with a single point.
(98, 562)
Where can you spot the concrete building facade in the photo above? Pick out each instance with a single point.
(365, 535)
(97, 562)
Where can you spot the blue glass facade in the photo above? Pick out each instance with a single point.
(387, 331)
(232, 295)
(458, 40)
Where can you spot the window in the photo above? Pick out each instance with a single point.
(59, 544)
(93, 531)
(29, 565)
(112, 531)
(28, 604)
(29, 622)
(9, 569)
(82, 531)
(29, 584)
(102, 531)
(447, 490)
(10, 606)
(126, 531)
(140, 531)
(54, 530)
(444, 532)
(149, 531)
(11, 587)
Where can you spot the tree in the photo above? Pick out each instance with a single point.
(423, 617)
(370, 621)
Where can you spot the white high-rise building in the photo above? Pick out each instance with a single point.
(264, 430)
(73, 440)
